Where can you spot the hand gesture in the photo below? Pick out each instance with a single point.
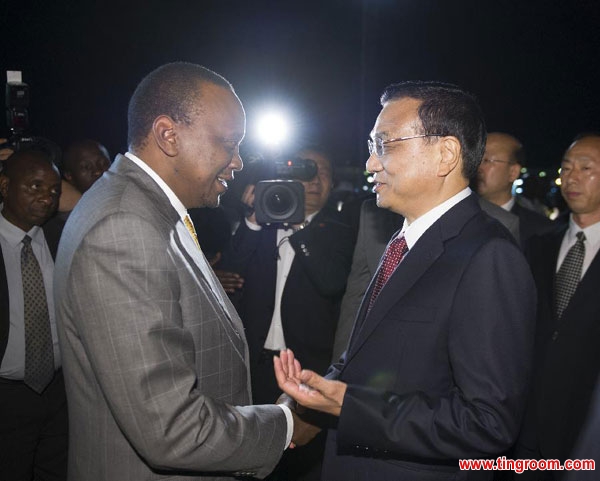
(307, 387)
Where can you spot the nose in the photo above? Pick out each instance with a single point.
(373, 164)
(237, 163)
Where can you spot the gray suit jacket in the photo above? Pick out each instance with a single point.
(155, 359)
(375, 230)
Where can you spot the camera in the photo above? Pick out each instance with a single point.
(17, 120)
(280, 199)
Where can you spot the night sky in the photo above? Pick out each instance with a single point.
(534, 65)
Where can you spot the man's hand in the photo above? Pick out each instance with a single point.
(307, 387)
(248, 201)
(304, 429)
(229, 280)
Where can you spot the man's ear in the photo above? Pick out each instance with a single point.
(165, 135)
(515, 172)
(451, 155)
(4, 181)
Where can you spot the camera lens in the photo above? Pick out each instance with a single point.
(279, 202)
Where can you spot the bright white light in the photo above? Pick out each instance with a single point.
(519, 190)
(519, 182)
(558, 181)
(272, 129)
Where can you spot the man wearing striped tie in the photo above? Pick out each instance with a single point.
(566, 267)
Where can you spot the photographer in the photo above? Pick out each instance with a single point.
(291, 281)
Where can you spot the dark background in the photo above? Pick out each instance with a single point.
(534, 65)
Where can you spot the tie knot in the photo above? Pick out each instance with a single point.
(580, 236)
(26, 240)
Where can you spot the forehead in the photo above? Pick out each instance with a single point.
(501, 143)
(398, 115)
(29, 167)
(587, 148)
(223, 109)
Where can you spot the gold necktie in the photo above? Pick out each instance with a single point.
(190, 227)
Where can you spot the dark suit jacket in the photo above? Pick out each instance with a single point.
(375, 229)
(313, 289)
(52, 230)
(567, 356)
(530, 223)
(438, 370)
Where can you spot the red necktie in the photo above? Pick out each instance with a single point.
(392, 256)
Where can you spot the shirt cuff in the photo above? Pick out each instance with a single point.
(252, 226)
(290, 425)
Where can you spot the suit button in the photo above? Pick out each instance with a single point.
(555, 335)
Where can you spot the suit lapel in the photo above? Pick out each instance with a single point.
(417, 262)
(184, 242)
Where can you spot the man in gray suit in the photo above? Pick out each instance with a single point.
(154, 354)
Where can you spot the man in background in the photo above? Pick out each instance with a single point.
(563, 413)
(501, 165)
(33, 404)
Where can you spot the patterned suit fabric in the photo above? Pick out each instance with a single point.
(155, 364)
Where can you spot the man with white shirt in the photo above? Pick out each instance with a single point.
(33, 405)
(501, 165)
(566, 268)
(438, 363)
(293, 282)
(154, 354)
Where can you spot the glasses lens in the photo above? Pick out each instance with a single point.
(371, 146)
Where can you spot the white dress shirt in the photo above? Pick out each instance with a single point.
(11, 240)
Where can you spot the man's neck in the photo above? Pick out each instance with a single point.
(586, 220)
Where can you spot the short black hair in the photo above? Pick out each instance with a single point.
(172, 90)
(448, 110)
(13, 164)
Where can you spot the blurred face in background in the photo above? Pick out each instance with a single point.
(317, 190)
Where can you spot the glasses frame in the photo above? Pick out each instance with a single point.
(497, 161)
(378, 143)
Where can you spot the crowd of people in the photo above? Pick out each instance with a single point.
(147, 332)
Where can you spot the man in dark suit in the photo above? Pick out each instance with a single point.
(155, 356)
(438, 363)
(33, 404)
(376, 227)
(568, 334)
(501, 165)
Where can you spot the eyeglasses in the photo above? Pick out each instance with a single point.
(496, 161)
(376, 145)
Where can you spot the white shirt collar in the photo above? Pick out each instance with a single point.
(413, 232)
(175, 202)
(14, 235)
(509, 205)
(592, 232)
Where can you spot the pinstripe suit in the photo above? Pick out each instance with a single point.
(155, 357)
